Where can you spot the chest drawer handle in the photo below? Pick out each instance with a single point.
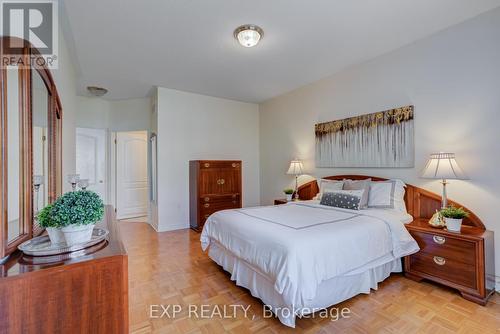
(207, 199)
(439, 240)
(440, 261)
(206, 165)
(206, 205)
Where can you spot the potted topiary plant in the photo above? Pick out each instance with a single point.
(453, 217)
(45, 220)
(288, 194)
(76, 213)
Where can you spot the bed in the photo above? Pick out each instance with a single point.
(301, 257)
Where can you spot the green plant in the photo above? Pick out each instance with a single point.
(44, 217)
(453, 212)
(77, 208)
(288, 191)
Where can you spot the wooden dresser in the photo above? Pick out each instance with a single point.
(67, 294)
(214, 185)
(464, 261)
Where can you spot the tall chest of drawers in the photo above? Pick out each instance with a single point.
(214, 185)
(464, 261)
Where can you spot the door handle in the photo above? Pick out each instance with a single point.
(101, 181)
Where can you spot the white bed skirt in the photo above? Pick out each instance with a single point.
(330, 292)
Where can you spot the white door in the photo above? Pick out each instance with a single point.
(131, 174)
(91, 158)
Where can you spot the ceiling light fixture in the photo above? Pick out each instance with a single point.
(97, 91)
(248, 35)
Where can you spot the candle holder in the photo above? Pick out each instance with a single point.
(37, 182)
(73, 180)
(83, 184)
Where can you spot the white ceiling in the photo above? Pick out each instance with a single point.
(129, 46)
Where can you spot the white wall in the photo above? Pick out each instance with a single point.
(130, 115)
(92, 112)
(65, 79)
(193, 127)
(452, 78)
(120, 115)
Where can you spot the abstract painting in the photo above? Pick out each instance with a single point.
(381, 139)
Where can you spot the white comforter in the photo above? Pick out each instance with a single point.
(299, 245)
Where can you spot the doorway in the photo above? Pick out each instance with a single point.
(131, 171)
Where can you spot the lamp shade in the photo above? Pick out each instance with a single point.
(443, 166)
(295, 168)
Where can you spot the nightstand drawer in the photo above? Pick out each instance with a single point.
(446, 247)
(444, 268)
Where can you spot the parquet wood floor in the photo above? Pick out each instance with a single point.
(170, 268)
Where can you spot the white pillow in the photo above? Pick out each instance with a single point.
(325, 185)
(387, 195)
(359, 185)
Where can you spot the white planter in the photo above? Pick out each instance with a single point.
(453, 225)
(289, 197)
(77, 234)
(55, 234)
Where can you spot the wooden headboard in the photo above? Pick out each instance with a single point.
(420, 203)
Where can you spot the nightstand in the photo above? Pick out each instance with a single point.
(463, 261)
(280, 201)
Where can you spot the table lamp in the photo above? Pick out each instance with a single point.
(443, 166)
(296, 169)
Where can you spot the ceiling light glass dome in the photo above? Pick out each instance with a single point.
(248, 35)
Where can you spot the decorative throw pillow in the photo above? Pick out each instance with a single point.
(328, 185)
(345, 199)
(359, 185)
(387, 194)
